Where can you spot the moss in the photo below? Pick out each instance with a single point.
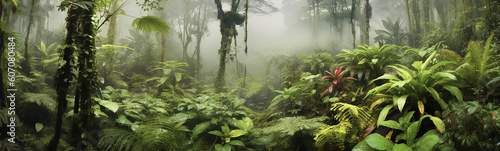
(233, 18)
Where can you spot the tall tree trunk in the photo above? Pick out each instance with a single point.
(27, 61)
(6, 12)
(368, 16)
(163, 46)
(64, 75)
(426, 9)
(353, 30)
(87, 72)
(3, 88)
(111, 39)
(3, 73)
(442, 11)
(228, 31)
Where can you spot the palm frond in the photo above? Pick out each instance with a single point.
(151, 23)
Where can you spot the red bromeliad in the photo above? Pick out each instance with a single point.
(337, 80)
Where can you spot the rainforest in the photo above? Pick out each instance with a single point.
(249, 75)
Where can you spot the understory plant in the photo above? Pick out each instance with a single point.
(229, 136)
(410, 132)
(338, 82)
(479, 65)
(291, 133)
(343, 135)
(413, 88)
(369, 62)
(471, 126)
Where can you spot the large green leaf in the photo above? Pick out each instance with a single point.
(391, 124)
(151, 23)
(225, 130)
(406, 117)
(198, 129)
(363, 146)
(401, 101)
(427, 142)
(219, 147)
(439, 123)
(112, 106)
(401, 147)
(218, 133)
(383, 114)
(123, 120)
(178, 76)
(237, 143)
(38, 127)
(237, 133)
(454, 91)
(379, 142)
(412, 132)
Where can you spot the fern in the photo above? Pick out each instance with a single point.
(290, 125)
(157, 134)
(119, 139)
(477, 60)
(335, 137)
(349, 112)
(40, 99)
(151, 23)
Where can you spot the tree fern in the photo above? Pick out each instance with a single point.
(151, 23)
(349, 112)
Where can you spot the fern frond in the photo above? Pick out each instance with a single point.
(151, 23)
(349, 112)
(119, 139)
(335, 137)
(290, 125)
(40, 99)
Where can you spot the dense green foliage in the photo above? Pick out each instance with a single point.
(434, 85)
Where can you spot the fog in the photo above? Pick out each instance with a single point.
(286, 31)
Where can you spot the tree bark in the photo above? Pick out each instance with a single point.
(228, 31)
(27, 61)
(368, 16)
(86, 74)
(64, 75)
(353, 30)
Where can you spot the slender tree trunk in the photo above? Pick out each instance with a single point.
(228, 31)
(426, 9)
(3, 86)
(111, 40)
(353, 30)
(163, 46)
(27, 64)
(64, 75)
(368, 16)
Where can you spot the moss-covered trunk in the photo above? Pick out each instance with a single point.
(225, 47)
(64, 75)
(27, 60)
(86, 74)
(228, 21)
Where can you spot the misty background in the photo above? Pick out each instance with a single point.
(283, 31)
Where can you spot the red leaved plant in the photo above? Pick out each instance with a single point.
(337, 80)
